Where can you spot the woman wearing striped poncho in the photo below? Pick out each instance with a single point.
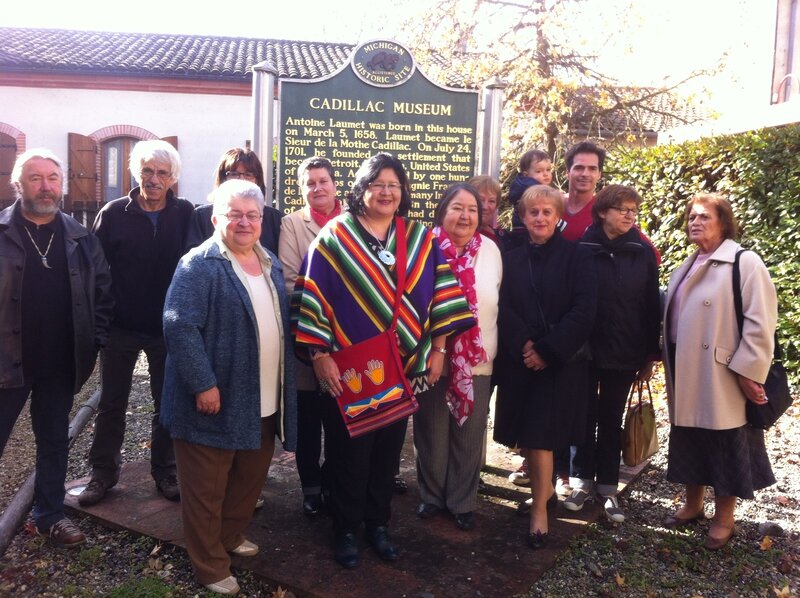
(346, 295)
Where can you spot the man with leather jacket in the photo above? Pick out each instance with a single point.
(55, 292)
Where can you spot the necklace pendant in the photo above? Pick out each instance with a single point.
(44, 262)
(386, 257)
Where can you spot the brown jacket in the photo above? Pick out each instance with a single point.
(710, 352)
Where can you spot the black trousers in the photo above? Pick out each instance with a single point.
(309, 439)
(359, 472)
(598, 457)
(117, 362)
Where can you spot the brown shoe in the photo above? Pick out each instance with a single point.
(717, 543)
(65, 534)
(168, 488)
(93, 493)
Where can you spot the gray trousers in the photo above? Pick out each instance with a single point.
(448, 456)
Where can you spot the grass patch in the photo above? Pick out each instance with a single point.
(143, 587)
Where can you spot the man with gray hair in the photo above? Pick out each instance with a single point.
(55, 292)
(143, 236)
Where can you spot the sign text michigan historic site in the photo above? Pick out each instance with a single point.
(378, 102)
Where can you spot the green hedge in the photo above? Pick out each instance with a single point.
(759, 171)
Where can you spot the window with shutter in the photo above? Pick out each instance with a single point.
(8, 155)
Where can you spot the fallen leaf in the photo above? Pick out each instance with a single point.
(782, 593)
(785, 564)
(766, 543)
(155, 564)
(619, 579)
(595, 570)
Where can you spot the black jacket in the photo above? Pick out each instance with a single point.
(90, 289)
(560, 274)
(627, 328)
(544, 409)
(142, 259)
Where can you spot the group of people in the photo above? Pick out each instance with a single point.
(240, 313)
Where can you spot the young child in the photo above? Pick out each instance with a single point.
(535, 168)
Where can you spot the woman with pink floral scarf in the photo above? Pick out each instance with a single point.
(450, 425)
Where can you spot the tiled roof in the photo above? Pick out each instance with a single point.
(163, 55)
(206, 57)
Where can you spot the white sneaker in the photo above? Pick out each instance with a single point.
(576, 500)
(613, 510)
(521, 477)
(246, 548)
(562, 486)
(229, 586)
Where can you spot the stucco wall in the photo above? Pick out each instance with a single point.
(206, 125)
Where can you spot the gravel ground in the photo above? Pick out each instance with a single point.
(636, 558)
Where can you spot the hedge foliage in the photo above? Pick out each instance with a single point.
(759, 171)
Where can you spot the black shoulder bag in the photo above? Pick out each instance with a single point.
(776, 387)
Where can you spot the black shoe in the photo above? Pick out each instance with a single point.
(465, 521)
(379, 538)
(168, 488)
(346, 550)
(537, 540)
(426, 510)
(400, 485)
(312, 504)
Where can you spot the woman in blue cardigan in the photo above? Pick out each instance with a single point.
(229, 388)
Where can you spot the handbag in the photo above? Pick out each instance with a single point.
(639, 437)
(776, 386)
(375, 390)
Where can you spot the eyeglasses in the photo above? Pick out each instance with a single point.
(626, 211)
(235, 174)
(392, 187)
(149, 173)
(251, 217)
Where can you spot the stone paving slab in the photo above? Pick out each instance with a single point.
(438, 559)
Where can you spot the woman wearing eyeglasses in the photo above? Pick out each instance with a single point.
(345, 294)
(237, 164)
(229, 387)
(624, 342)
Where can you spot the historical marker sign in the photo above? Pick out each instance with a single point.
(379, 101)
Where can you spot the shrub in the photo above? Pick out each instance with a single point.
(759, 171)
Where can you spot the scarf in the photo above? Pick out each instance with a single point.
(323, 219)
(465, 349)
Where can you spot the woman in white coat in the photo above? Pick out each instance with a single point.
(712, 370)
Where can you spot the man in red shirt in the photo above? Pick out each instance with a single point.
(584, 169)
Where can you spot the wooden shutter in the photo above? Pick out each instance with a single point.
(8, 155)
(173, 141)
(82, 175)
